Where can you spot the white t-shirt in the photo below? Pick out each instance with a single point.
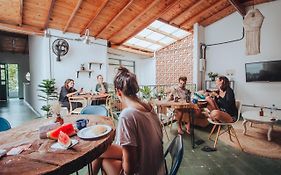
(143, 130)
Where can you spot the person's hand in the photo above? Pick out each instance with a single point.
(81, 90)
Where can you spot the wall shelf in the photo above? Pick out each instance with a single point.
(88, 71)
(90, 64)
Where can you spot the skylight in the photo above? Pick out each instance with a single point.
(156, 36)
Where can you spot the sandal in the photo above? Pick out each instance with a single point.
(208, 149)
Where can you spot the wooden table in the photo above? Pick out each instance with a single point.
(41, 159)
(183, 106)
(91, 98)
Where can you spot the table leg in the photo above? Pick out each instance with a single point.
(191, 112)
(245, 128)
(269, 132)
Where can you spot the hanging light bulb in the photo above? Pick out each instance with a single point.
(87, 37)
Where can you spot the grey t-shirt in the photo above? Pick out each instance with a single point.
(143, 130)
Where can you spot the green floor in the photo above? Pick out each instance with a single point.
(226, 160)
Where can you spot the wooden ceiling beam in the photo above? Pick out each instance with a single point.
(114, 18)
(145, 24)
(133, 50)
(96, 13)
(186, 11)
(190, 21)
(238, 6)
(24, 29)
(163, 33)
(225, 12)
(138, 47)
(72, 15)
(150, 40)
(221, 14)
(20, 12)
(50, 10)
(134, 19)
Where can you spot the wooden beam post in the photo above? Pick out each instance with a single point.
(239, 7)
(114, 18)
(20, 12)
(50, 10)
(72, 15)
(24, 29)
(96, 13)
(133, 50)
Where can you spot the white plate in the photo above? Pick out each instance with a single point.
(59, 146)
(87, 133)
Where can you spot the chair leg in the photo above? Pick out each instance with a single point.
(236, 138)
(229, 134)
(217, 137)
(212, 131)
(166, 132)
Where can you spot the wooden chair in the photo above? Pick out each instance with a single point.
(113, 106)
(229, 128)
(73, 103)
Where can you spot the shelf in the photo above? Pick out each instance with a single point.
(88, 71)
(90, 64)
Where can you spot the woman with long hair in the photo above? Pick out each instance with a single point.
(222, 105)
(139, 148)
(66, 91)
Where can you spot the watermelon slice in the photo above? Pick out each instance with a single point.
(66, 128)
(64, 140)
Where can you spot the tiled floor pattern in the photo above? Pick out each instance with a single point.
(226, 160)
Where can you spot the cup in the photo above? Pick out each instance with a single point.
(81, 123)
(194, 101)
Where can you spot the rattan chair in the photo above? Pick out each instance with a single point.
(74, 102)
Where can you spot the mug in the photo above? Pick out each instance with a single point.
(81, 123)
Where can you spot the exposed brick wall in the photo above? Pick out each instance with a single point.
(174, 61)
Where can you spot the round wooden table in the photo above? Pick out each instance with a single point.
(41, 159)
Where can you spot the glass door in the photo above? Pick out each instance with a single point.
(3, 82)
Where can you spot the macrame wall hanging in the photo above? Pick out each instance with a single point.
(252, 24)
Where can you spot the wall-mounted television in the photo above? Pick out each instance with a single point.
(263, 71)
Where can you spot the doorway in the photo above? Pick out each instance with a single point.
(13, 81)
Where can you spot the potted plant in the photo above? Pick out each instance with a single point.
(212, 75)
(48, 93)
(146, 92)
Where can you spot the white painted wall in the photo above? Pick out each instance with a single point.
(232, 56)
(145, 67)
(43, 63)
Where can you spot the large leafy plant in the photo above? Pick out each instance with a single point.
(48, 93)
(146, 92)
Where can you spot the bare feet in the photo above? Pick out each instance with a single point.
(180, 131)
(187, 126)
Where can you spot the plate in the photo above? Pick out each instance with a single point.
(90, 132)
(59, 146)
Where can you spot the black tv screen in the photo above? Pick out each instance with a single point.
(263, 71)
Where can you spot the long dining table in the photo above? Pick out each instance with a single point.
(184, 107)
(40, 158)
(90, 97)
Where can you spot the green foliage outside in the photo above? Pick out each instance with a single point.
(146, 92)
(48, 93)
(13, 79)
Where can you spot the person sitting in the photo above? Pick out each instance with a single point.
(222, 104)
(180, 92)
(66, 91)
(101, 86)
(139, 134)
(180, 115)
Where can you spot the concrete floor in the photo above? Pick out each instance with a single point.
(226, 160)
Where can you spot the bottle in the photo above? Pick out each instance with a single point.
(261, 112)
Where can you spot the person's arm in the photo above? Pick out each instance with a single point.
(129, 162)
